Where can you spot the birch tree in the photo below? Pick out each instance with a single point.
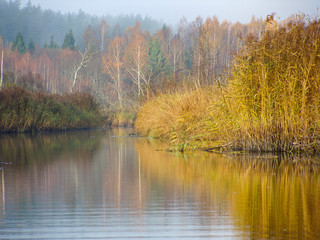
(136, 59)
(176, 55)
(86, 57)
(1, 66)
(1, 77)
(103, 36)
(208, 50)
(113, 65)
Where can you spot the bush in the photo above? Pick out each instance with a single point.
(22, 111)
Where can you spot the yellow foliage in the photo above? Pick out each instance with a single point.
(271, 102)
(187, 120)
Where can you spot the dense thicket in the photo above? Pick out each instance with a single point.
(22, 111)
(270, 102)
(39, 25)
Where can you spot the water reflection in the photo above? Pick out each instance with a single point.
(269, 197)
(104, 185)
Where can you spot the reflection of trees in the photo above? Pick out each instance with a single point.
(24, 149)
(265, 197)
(277, 198)
(48, 164)
(120, 173)
(268, 197)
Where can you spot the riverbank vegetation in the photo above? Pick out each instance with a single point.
(24, 111)
(205, 84)
(121, 61)
(268, 102)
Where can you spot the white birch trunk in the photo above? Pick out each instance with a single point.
(1, 78)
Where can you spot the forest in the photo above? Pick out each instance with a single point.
(119, 60)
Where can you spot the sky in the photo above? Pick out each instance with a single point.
(171, 11)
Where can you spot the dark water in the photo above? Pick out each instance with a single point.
(96, 185)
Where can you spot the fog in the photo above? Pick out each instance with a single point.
(171, 11)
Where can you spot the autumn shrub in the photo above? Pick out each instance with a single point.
(31, 82)
(21, 111)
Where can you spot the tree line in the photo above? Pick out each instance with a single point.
(121, 66)
(40, 25)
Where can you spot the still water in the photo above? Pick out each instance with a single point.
(104, 185)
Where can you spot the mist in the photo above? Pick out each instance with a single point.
(171, 11)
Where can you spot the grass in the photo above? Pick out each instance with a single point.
(270, 104)
(25, 111)
(188, 120)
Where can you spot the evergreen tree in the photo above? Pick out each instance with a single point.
(157, 60)
(19, 44)
(52, 43)
(31, 47)
(69, 41)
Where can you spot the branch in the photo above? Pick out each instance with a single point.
(85, 58)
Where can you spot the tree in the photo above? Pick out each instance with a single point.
(1, 69)
(52, 43)
(103, 36)
(136, 57)
(89, 41)
(1, 66)
(157, 60)
(89, 38)
(69, 41)
(113, 65)
(19, 44)
(208, 49)
(176, 55)
(31, 46)
(86, 57)
(192, 32)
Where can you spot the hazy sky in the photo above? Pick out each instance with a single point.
(172, 10)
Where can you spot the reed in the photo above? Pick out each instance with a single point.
(271, 102)
(188, 120)
(275, 89)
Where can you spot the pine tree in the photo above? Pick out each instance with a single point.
(19, 44)
(69, 41)
(52, 43)
(31, 47)
(157, 60)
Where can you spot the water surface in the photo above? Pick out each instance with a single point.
(102, 184)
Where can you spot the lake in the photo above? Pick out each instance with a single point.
(107, 185)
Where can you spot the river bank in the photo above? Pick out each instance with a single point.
(268, 103)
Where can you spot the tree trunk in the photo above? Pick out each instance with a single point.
(1, 78)
(85, 58)
(139, 87)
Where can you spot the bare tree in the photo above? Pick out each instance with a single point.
(86, 57)
(103, 36)
(113, 65)
(136, 58)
